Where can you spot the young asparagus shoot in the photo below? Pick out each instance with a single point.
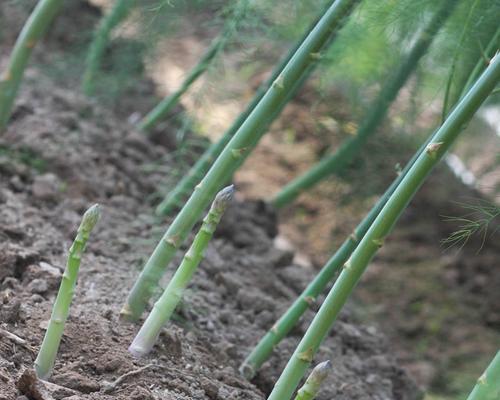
(33, 30)
(215, 48)
(232, 156)
(381, 227)
(48, 351)
(334, 162)
(165, 306)
(119, 11)
(313, 383)
(488, 384)
(175, 198)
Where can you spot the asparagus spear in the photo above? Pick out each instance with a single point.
(119, 11)
(313, 383)
(217, 45)
(230, 158)
(33, 30)
(48, 351)
(381, 227)
(165, 306)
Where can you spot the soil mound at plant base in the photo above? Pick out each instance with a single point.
(60, 154)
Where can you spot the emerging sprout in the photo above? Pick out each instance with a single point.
(48, 351)
(165, 306)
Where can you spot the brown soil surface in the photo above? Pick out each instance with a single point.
(62, 153)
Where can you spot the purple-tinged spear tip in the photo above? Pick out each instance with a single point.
(90, 218)
(223, 198)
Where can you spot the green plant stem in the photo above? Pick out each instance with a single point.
(165, 306)
(264, 348)
(120, 10)
(313, 383)
(229, 159)
(33, 30)
(488, 385)
(175, 198)
(381, 227)
(48, 351)
(349, 148)
(169, 102)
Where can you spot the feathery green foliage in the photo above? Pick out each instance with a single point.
(240, 9)
(119, 11)
(335, 162)
(488, 384)
(165, 306)
(33, 30)
(231, 157)
(48, 351)
(381, 227)
(313, 383)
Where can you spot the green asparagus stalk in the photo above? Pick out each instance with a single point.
(381, 227)
(237, 149)
(217, 45)
(488, 385)
(119, 11)
(165, 306)
(175, 198)
(262, 351)
(48, 351)
(33, 30)
(313, 383)
(335, 162)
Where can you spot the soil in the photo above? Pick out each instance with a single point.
(60, 154)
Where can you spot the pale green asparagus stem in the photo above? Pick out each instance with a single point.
(488, 385)
(381, 227)
(165, 306)
(313, 383)
(34, 28)
(48, 351)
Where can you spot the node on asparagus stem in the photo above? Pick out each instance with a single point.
(313, 383)
(165, 306)
(488, 384)
(60, 311)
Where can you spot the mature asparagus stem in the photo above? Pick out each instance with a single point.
(169, 102)
(175, 198)
(227, 162)
(33, 30)
(488, 385)
(263, 350)
(165, 306)
(313, 383)
(381, 227)
(119, 11)
(48, 351)
(335, 162)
